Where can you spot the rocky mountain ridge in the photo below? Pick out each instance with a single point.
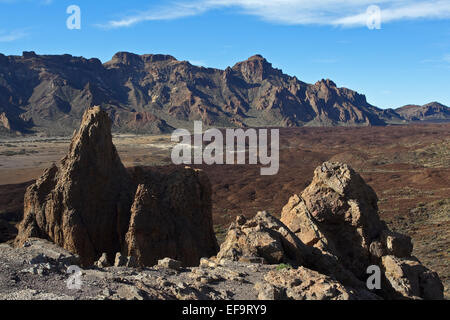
(433, 111)
(48, 94)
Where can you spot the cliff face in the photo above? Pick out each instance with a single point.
(155, 93)
(172, 217)
(83, 205)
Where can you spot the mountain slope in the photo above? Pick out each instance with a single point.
(156, 93)
(433, 111)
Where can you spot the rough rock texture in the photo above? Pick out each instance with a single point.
(102, 262)
(84, 204)
(433, 111)
(38, 271)
(265, 239)
(306, 284)
(120, 260)
(155, 93)
(4, 121)
(338, 214)
(171, 217)
(170, 263)
(407, 278)
(263, 236)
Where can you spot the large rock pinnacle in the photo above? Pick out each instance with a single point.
(83, 205)
(86, 206)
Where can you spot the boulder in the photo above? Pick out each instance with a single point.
(170, 264)
(337, 213)
(264, 237)
(397, 244)
(407, 278)
(131, 262)
(120, 260)
(102, 262)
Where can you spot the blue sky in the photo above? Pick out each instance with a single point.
(406, 61)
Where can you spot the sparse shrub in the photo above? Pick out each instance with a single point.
(283, 266)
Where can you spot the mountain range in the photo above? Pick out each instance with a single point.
(47, 94)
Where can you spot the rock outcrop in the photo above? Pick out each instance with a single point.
(338, 214)
(172, 217)
(85, 205)
(407, 278)
(263, 237)
(4, 121)
(305, 284)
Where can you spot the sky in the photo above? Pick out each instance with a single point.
(396, 52)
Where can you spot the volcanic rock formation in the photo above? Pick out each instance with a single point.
(172, 217)
(265, 237)
(306, 284)
(84, 204)
(338, 214)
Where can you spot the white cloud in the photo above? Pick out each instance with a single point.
(175, 11)
(403, 11)
(298, 12)
(12, 35)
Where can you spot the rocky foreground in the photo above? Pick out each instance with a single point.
(149, 236)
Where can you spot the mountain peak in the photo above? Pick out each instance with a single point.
(435, 104)
(327, 82)
(431, 111)
(255, 69)
(257, 57)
